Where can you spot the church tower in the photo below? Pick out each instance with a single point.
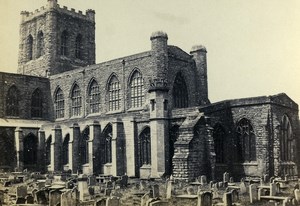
(55, 39)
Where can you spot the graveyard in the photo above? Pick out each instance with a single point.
(22, 188)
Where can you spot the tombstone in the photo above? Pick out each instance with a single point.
(253, 193)
(231, 180)
(41, 185)
(69, 185)
(82, 187)
(21, 191)
(205, 199)
(116, 193)
(113, 201)
(54, 197)
(227, 199)
(169, 189)
(155, 190)
(92, 180)
(225, 184)
(235, 195)
(48, 182)
(109, 185)
(215, 194)
(266, 178)
(20, 200)
(211, 183)
(220, 184)
(107, 192)
(272, 179)
(226, 177)
(273, 189)
(143, 185)
(41, 197)
(144, 199)
(29, 199)
(243, 188)
(101, 202)
(91, 190)
(75, 195)
(69, 197)
(297, 194)
(190, 191)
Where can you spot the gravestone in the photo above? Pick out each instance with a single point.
(82, 187)
(297, 194)
(266, 178)
(205, 199)
(243, 188)
(253, 193)
(92, 180)
(20, 200)
(101, 202)
(21, 191)
(231, 180)
(41, 185)
(226, 177)
(190, 190)
(29, 199)
(155, 190)
(54, 197)
(220, 184)
(41, 197)
(215, 193)
(211, 183)
(272, 179)
(113, 201)
(227, 199)
(143, 185)
(70, 197)
(69, 184)
(235, 195)
(169, 189)
(203, 180)
(273, 189)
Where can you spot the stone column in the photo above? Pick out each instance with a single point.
(56, 145)
(74, 148)
(130, 137)
(118, 150)
(94, 144)
(19, 148)
(41, 151)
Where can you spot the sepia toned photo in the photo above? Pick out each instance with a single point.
(149, 103)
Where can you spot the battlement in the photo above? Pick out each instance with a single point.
(89, 14)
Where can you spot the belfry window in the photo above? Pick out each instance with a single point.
(107, 138)
(40, 44)
(30, 47)
(76, 101)
(64, 45)
(59, 104)
(180, 92)
(245, 141)
(114, 94)
(12, 102)
(78, 47)
(219, 140)
(137, 89)
(286, 140)
(94, 97)
(145, 147)
(37, 103)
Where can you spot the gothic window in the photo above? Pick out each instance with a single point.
(40, 44)
(114, 94)
(245, 141)
(78, 47)
(48, 150)
(64, 45)
(59, 104)
(107, 134)
(94, 97)
(145, 147)
(12, 102)
(286, 139)
(37, 103)
(219, 140)
(137, 89)
(30, 47)
(65, 150)
(180, 92)
(30, 149)
(84, 146)
(76, 101)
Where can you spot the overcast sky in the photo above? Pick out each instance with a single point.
(253, 46)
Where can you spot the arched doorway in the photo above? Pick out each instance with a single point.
(173, 136)
(30, 144)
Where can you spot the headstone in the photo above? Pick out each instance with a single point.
(54, 197)
(266, 178)
(113, 201)
(143, 185)
(101, 202)
(205, 199)
(297, 194)
(155, 189)
(226, 177)
(235, 195)
(41, 197)
(253, 193)
(82, 187)
(40, 185)
(107, 192)
(48, 182)
(227, 199)
(21, 191)
(272, 179)
(231, 180)
(220, 184)
(70, 197)
(29, 199)
(203, 180)
(243, 188)
(169, 189)
(92, 180)
(273, 189)
(91, 190)
(109, 185)
(69, 184)
(20, 200)
(190, 191)
(215, 194)
(211, 183)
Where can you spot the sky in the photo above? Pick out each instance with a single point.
(253, 46)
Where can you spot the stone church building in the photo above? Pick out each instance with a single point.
(146, 115)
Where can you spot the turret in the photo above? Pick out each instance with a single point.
(198, 53)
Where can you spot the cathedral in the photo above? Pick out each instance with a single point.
(146, 115)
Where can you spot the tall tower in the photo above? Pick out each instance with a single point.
(55, 39)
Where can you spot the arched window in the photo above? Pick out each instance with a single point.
(30, 47)
(65, 150)
(145, 147)
(40, 44)
(59, 104)
(180, 92)
(48, 150)
(219, 140)
(30, 149)
(286, 139)
(107, 137)
(245, 141)
(84, 146)
(12, 102)
(114, 94)
(78, 47)
(64, 43)
(76, 101)
(37, 103)
(137, 89)
(94, 97)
